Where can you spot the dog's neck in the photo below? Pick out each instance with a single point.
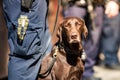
(71, 54)
(71, 50)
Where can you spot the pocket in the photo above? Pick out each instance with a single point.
(30, 42)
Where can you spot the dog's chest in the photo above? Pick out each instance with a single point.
(67, 69)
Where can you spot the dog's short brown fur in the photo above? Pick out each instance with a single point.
(68, 64)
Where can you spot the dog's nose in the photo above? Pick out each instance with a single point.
(73, 35)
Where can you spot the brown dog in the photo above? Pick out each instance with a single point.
(66, 59)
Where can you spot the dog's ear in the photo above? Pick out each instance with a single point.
(59, 31)
(85, 30)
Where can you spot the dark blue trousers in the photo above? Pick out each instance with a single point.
(111, 39)
(25, 59)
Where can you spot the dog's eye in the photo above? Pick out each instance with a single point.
(67, 25)
(78, 24)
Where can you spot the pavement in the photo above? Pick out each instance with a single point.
(107, 74)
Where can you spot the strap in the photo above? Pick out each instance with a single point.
(47, 72)
(26, 5)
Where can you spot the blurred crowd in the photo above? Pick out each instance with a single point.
(102, 18)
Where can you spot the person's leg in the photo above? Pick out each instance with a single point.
(26, 67)
(21, 69)
(110, 58)
(92, 52)
(25, 57)
(92, 45)
(110, 42)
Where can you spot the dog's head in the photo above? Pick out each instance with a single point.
(70, 31)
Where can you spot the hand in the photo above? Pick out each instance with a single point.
(111, 9)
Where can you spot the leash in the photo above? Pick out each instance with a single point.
(56, 18)
(47, 72)
(49, 40)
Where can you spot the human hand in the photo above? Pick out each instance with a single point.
(111, 9)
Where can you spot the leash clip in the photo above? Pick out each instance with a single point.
(55, 53)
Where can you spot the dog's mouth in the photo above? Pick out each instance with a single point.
(74, 41)
(75, 44)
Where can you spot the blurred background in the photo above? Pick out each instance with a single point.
(100, 70)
